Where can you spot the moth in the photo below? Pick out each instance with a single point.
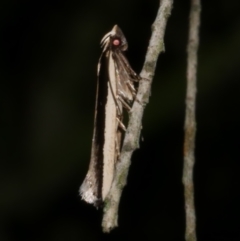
(116, 90)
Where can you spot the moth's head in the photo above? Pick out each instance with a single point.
(114, 39)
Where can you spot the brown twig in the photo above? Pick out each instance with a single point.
(131, 140)
(190, 120)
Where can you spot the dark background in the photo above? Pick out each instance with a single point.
(49, 52)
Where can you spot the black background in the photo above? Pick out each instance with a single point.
(49, 53)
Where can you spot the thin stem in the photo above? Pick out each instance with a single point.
(190, 120)
(131, 140)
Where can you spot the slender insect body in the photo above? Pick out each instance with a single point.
(115, 92)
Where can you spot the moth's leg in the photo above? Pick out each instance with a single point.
(131, 86)
(141, 102)
(121, 125)
(118, 144)
(136, 79)
(119, 107)
(132, 89)
(124, 103)
(127, 66)
(145, 79)
(134, 93)
(119, 116)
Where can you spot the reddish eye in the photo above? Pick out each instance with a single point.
(116, 42)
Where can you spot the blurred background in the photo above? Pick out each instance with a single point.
(49, 54)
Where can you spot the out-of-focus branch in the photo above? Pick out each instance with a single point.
(190, 120)
(131, 140)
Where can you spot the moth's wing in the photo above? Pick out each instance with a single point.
(106, 138)
(113, 108)
(91, 187)
(133, 75)
(126, 75)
